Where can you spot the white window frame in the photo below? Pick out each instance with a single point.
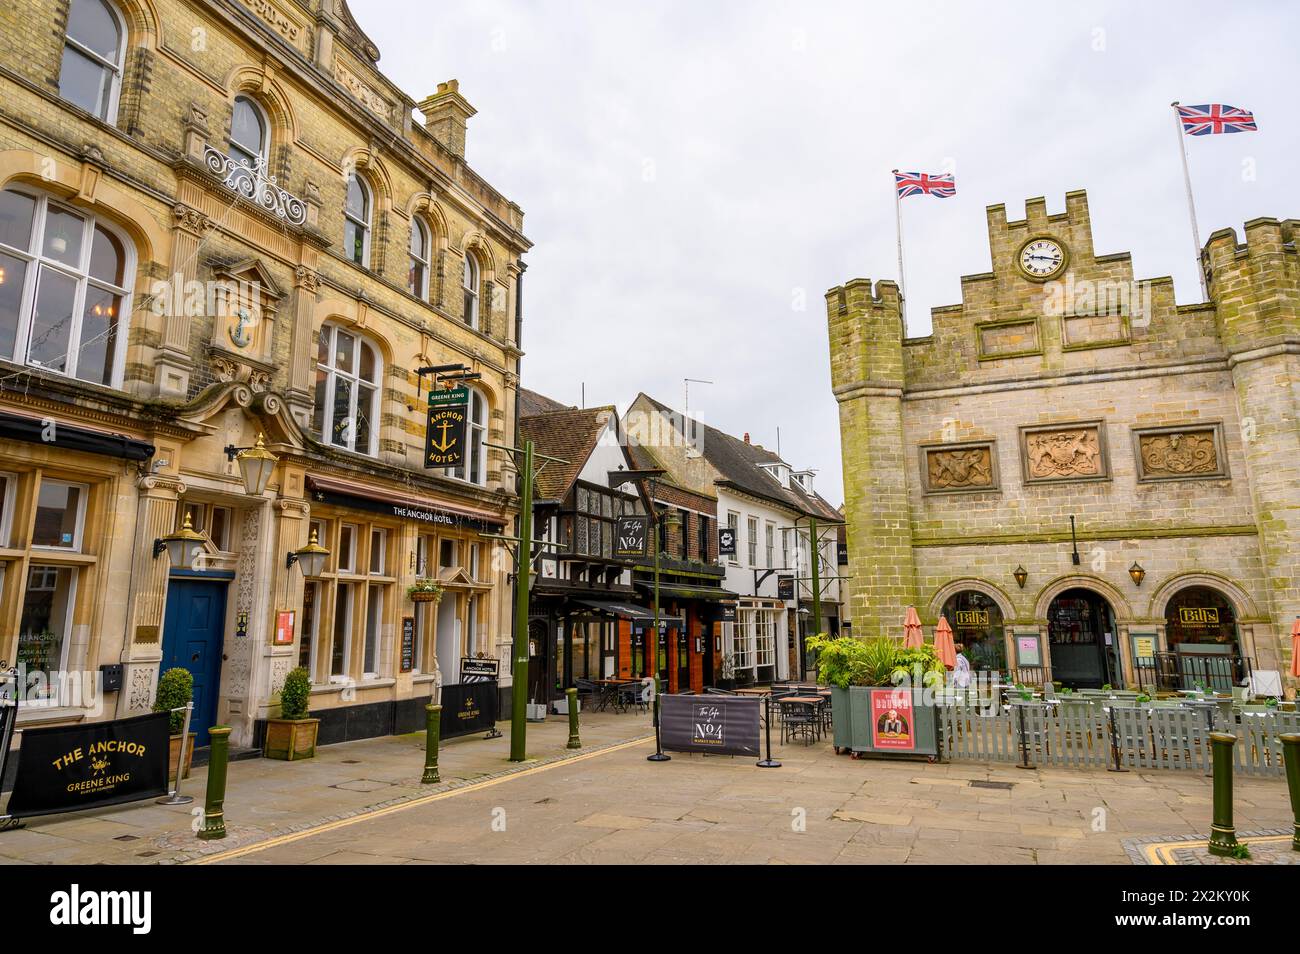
(333, 374)
(751, 540)
(363, 223)
(769, 543)
(36, 261)
(475, 442)
(65, 642)
(8, 483)
(470, 279)
(374, 631)
(345, 676)
(764, 637)
(263, 151)
(418, 227)
(733, 524)
(351, 550)
(115, 69)
(382, 535)
(77, 536)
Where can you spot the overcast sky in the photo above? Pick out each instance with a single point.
(696, 175)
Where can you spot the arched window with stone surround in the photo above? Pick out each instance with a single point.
(94, 49)
(470, 283)
(348, 371)
(356, 221)
(417, 280)
(250, 133)
(977, 629)
(474, 467)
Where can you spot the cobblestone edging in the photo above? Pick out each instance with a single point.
(188, 848)
(1196, 854)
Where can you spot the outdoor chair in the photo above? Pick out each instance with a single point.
(635, 694)
(588, 692)
(799, 720)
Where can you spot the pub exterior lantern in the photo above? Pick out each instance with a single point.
(1137, 573)
(1021, 575)
(256, 464)
(310, 559)
(182, 546)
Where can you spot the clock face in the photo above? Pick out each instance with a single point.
(1042, 258)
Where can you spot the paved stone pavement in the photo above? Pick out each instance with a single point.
(362, 803)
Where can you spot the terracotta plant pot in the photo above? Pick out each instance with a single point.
(290, 739)
(174, 755)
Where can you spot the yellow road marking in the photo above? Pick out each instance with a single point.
(1163, 853)
(422, 800)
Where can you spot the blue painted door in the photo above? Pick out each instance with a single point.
(192, 639)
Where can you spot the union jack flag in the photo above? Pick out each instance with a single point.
(923, 183)
(1214, 118)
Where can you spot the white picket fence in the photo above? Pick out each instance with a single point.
(1084, 735)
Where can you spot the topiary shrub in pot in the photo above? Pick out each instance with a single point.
(175, 692)
(293, 735)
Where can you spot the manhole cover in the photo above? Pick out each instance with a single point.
(1003, 786)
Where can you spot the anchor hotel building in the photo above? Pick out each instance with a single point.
(219, 221)
(1091, 487)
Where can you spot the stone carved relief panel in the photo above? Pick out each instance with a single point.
(952, 468)
(1064, 452)
(1172, 453)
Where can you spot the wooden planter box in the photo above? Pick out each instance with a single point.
(290, 739)
(174, 756)
(851, 721)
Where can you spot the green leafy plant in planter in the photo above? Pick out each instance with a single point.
(425, 590)
(175, 692)
(848, 661)
(293, 735)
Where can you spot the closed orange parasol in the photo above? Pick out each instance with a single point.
(1295, 647)
(943, 643)
(912, 635)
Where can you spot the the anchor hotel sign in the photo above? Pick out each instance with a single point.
(444, 441)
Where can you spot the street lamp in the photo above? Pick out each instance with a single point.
(256, 465)
(182, 546)
(310, 559)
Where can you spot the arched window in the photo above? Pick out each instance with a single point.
(64, 293)
(348, 371)
(1200, 614)
(977, 629)
(417, 280)
(474, 468)
(93, 50)
(469, 281)
(356, 227)
(248, 133)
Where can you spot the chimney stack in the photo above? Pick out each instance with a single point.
(746, 437)
(445, 114)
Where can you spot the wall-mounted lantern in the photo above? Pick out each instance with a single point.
(310, 559)
(1137, 573)
(256, 464)
(182, 546)
(1021, 575)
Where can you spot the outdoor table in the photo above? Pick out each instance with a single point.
(813, 702)
(753, 691)
(609, 691)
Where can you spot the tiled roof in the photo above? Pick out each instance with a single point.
(569, 434)
(740, 466)
(530, 403)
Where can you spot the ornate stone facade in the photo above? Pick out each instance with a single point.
(1085, 439)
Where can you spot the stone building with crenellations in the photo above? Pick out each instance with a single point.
(220, 220)
(1090, 482)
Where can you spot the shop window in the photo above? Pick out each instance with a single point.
(63, 289)
(474, 466)
(764, 637)
(469, 285)
(1200, 615)
(94, 48)
(374, 624)
(417, 277)
(347, 548)
(977, 629)
(307, 629)
(249, 139)
(356, 222)
(341, 647)
(347, 391)
(60, 508)
(45, 624)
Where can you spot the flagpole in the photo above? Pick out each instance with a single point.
(898, 223)
(1191, 203)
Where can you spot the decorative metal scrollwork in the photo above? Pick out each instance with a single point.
(253, 183)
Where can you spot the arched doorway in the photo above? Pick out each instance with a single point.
(1081, 634)
(976, 621)
(1201, 632)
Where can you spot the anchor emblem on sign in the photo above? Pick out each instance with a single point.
(239, 330)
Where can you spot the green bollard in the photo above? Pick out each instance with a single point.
(1291, 756)
(572, 696)
(1223, 836)
(214, 815)
(432, 735)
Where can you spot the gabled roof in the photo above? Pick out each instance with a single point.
(740, 466)
(530, 403)
(570, 434)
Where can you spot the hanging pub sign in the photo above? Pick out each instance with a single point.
(784, 587)
(631, 536)
(726, 541)
(70, 768)
(842, 554)
(444, 437)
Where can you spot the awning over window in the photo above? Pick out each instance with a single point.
(686, 592)
(34, 430)
(638, 614)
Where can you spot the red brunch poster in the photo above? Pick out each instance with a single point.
(892, 724)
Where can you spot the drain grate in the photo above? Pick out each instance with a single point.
(126, 838)
(1001, 786)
